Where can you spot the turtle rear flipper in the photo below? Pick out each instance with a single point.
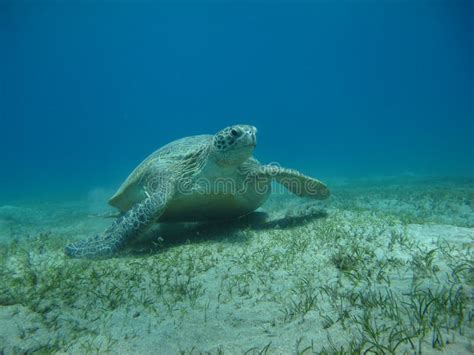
(123, 229)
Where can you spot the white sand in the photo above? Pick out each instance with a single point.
(292, 282)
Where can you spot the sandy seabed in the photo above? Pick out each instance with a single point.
(381, 267)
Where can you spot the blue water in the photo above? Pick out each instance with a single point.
(352, 88)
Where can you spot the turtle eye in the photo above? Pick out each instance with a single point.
(234, 132)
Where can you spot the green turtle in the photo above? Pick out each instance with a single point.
(195, 178)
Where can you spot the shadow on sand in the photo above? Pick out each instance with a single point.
(166, 235)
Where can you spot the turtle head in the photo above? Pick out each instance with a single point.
(235, 144)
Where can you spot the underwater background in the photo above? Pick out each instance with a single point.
(374, 98)
(344, 88)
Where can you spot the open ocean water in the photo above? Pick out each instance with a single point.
(374, 99)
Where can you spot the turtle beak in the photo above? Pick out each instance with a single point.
(253, 135)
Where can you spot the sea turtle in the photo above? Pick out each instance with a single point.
(195, 178)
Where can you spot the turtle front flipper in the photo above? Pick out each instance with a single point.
(123, 229)
(296, 182)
